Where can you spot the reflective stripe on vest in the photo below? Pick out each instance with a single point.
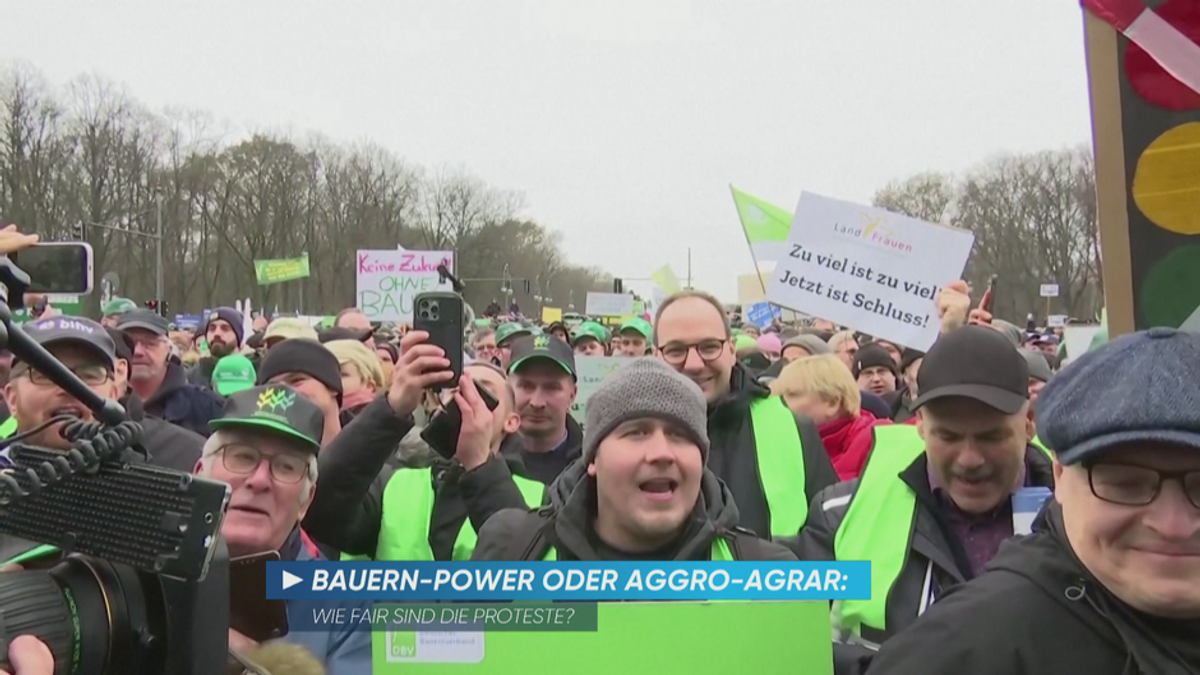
(408, 506)
(878, 524)
(780, 454)
(8, 428)
(720, 552)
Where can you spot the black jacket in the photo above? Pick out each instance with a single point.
(201, 373)
(187, 405)
(169, 446)
(933, 549)
(347, 510)
(1037, 611)
(733, 458)
(566, 524)
(545, 467)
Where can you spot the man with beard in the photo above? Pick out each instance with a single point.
(933, 505)
(224, 335)
(160, 382)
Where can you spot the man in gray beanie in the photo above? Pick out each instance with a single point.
(641, 490)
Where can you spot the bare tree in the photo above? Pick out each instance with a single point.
(92, 153)
(928, 196)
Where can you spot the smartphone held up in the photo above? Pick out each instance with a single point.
(58, 267)
(440, 314)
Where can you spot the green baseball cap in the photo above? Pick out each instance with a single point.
(278, 408)
(542, 346)
(233, 373)
(590, 329)
(118, 306)
(638, 324)
(507, 331)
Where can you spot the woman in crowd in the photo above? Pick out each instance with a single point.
(821, 388)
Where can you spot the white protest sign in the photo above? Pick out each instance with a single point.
(590, 372)
(872, 270)
(609, 304)
(387, 281)
(1056, 320)
(1077, 339)
(1049, 290)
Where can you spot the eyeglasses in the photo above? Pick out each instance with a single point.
(243, 459)
(708, 350)
(93, 376)
(1129, 485)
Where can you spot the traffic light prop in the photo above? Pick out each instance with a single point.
(1144, 73)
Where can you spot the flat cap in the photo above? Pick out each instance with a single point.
(1140, 388)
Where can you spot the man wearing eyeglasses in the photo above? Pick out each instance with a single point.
(265, 447)
(160, 382)
(85, 348)
(1109, 581)
(772, 460)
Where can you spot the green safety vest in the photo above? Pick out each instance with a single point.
(720, 552)
(8, 428)
(407, 507)
(1037, 442)
(879, 522)
(780, 454)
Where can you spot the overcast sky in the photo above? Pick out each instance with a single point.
(621, 121)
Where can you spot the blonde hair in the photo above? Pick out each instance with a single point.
(363, 359)
(824, 376)
(837, 339)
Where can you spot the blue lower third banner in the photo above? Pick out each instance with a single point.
(570, 581)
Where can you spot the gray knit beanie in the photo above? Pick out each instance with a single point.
(645, 387)
(812, 344)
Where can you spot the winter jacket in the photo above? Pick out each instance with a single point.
(187, 405)
(1038, 611)
(169, 446)
(347, 510)
(201, 373)
(848, 441)
(733, 457)
(566, 524)
(344, 650)
(935, 562)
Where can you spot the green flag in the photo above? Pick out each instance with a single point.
(766, 225)
(280, 270)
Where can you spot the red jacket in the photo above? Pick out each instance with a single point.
(848, 441)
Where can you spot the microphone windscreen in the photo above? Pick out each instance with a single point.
(285, 658)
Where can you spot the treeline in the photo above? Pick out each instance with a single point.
(1034, 219)
(90, 153)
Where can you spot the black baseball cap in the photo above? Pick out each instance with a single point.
(975, 362)
(543, 346)
(145, 320)
(277, 408)
(86, 333)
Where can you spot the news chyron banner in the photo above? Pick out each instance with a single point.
(702, 617)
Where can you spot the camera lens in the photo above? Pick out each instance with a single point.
(90, 613)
